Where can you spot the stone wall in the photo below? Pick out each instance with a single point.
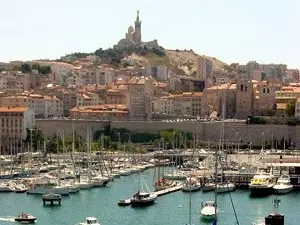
(206, 130)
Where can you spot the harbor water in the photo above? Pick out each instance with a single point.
(170, 209)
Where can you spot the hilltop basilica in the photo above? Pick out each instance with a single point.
(133, 37)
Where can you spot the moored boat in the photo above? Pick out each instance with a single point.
(262, 184)
(225, 187)
(283, 185)
(142, 199)
(124, 202)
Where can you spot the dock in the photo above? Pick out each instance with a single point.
(168, 190)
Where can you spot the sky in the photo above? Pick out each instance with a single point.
(267, 31)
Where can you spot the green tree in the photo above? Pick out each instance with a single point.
(26, 68)
(45, 70)
(290, 108)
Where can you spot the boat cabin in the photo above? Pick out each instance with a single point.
(208, 203)
(91, 220)
(141, 195)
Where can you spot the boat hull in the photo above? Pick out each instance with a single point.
(282, 190)
(261, 191)
(42, 191)
(32, 220)
(191, 188)
(135, 203)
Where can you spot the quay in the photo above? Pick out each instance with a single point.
(168, 190)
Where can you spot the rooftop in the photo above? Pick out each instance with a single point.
(13, 109)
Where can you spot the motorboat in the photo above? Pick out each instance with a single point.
(143, 199)
(262, 183)
(20, 188)
(208, 210)
(25, 218)
(283, 185)
(225, 187)
(90, 221)
(124, 202)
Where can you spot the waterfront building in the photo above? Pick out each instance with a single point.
(15, 122)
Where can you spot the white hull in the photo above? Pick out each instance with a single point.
(174, 176)
(222, 188)
(84, 185)
(192, 188)
(97, 183)
(42, 191)
(280, 189)
(125, 172)
(208, 212)
(6, 189)
(208, 187)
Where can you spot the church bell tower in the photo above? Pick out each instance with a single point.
(137, 30)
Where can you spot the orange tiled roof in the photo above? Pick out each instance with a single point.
(13, 109)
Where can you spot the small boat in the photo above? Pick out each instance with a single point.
(90, 221)
(25, 218)
(20, 188)
(225, 187)
(124, 202)
(143, 199)
(208, 210)
(283, 185)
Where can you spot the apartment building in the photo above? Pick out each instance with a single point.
(15, 121)
(89, 98)
(185, 104)
(43, 106)
(100, 112)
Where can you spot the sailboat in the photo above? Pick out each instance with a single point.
(142, 198)
(161, 183)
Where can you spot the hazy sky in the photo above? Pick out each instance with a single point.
(267, 31)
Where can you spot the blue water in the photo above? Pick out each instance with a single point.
(171, 209)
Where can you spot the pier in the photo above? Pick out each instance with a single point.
(168, 190)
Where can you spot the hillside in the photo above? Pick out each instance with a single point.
(183, 62)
